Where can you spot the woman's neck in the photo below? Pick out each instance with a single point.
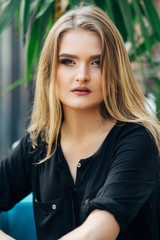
(82, 124)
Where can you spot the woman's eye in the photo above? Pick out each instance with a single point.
(67, 61)
(96, 62)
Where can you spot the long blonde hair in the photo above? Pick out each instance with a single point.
(123, 101)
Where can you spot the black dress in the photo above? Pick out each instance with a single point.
(121, 177)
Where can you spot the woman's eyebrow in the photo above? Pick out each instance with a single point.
(68, 55)
(97, 56)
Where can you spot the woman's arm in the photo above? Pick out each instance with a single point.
(4, 236)
(100, 225)
(130, 182)
(15, 175)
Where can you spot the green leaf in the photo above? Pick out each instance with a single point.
(8, 14)
(34, 6)
(25, 18)
(14, 85)
(109, 9)
(4, 1)
(155, 90)
(142, 25)
(43, 28)
(39, 29)
(32, 50)
(153, 17)
(101, 4)
(88, 2)
(44, 8)
(118, 20)
(141, 49)
(127, 16)
(18, 20)
(74, 3)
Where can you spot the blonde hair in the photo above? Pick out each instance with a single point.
(123, 101)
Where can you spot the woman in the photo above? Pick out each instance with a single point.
(91, 153)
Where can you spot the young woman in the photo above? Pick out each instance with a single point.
(91, 154)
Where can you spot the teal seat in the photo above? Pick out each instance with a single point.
(19, 221)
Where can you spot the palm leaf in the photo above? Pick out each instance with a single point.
(145, 33)
(153, 18)
(74, 3)
(119, 20)
(14, 85)
(44, 8)
(127, 16)
(101, 4)
(141, 49)
(43, 30)
(25, 18)
(32, 50)
(8, 14)
(109, 9)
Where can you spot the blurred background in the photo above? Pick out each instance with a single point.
(23, 27)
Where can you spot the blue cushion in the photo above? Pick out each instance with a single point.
(19, 221)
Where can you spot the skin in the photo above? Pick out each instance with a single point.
(4, 236)
(79, 66)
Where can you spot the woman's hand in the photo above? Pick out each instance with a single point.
(4, 236)
(100, 225)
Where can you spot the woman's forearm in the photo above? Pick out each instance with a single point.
(100, 225)
(4, 236)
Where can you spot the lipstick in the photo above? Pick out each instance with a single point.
(81, 91)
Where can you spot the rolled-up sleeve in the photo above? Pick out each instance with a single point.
(131, 179)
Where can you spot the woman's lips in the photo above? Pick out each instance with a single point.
(81, 91)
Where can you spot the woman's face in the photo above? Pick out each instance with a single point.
(79, 78)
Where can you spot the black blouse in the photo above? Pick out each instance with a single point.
(121, 177)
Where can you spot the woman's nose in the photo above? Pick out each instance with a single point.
(82, 73)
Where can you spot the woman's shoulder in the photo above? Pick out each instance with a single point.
(129, 129)
(135, 135)
(133, 145)
(130, 126)
(25, 147)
